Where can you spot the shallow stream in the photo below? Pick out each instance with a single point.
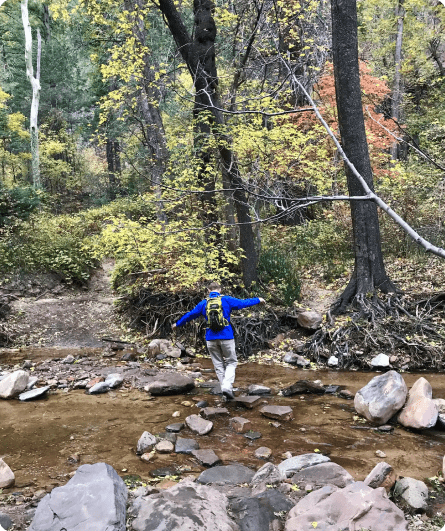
(37, 438)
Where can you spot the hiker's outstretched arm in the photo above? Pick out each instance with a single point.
(239, 304)
(192, 314)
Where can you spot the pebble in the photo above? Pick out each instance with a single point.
(175, 428)
(176, 414)
(379, 453)
(148, 456)
(186, 403)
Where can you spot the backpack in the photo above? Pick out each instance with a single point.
(215, 317)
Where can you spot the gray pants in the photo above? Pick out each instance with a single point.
(223, 354)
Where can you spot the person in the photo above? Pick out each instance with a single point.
(221, 345)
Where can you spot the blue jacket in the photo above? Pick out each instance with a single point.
(228, 304)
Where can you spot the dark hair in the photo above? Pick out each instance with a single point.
(214, 286)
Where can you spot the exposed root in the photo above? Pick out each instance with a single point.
(412, 333)
(156, 312)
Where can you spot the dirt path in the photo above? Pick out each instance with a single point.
(77, 318)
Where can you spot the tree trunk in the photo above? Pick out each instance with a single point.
(35, 84)
(114, 166)
(205, 78)
(149, 96)
(397, 87)
(369, 272)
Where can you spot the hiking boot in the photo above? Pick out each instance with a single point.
(228, 394)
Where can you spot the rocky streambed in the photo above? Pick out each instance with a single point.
(45, 440)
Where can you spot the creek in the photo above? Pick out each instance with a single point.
(38, 438)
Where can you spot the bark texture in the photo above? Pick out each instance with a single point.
(369, 272)
(35, 84)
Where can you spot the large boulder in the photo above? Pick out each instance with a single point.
(227, 475)
(187, 507)
(357, 506)
(420, 410)
(382, 397)
(291, 466)
(7, 477)
(413, 492)
(311, 320)
(94, 499)
(323, 474)
(260, 512)
(14, 384)
(170, 384)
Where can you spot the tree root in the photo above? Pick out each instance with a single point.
(156, 312)
(412, 333)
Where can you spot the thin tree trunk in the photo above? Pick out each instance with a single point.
(152, 125)
(35, 84)
(114, 166)
(369, 272)
(397, 87)
(202, 83)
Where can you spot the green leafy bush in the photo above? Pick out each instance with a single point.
(278, 268)
(16, 204)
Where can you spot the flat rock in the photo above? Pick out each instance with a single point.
(176, 427)
(240, 424)
(99, 388)
(34, 393)
(255, 389)
(282, 413)
(323, 474)
(356, 506)
(185, 446)
(146, 442)
(311, 320)
(13, 384)
(94, 499)
(170, 384)
(7, 477)
(199, 425)
(227, 475)
(261, 512)
(248, 402)
(206, 457)
(382, 397)
(382, 475)
(291, 466)
(186, 506)
(252, 435)
(420, 411)
(211, 412)
(303, 387)
(413, 491)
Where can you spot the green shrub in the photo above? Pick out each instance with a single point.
(277, 268)
(16, 204)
